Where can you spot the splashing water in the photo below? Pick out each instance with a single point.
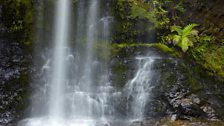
(76, 90)
(138, 89)
(72, 96)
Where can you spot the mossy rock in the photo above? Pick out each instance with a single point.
(211, 59)
(145, 46)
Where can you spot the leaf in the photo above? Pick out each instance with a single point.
(187, 30)
(177, 29)
(194, 32)
(179, 7)
(184, 38)
(176, 39)
(190, 43)
(207, 38)
(184, 44)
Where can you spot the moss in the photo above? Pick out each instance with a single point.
(116, 47)
(150, 11)
(167, 49)
(212, 59)
(124, 30)
(128, 27)
(18, 18)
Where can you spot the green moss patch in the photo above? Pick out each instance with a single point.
(162, 47)
(212, 59)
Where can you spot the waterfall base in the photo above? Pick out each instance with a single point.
(49, 121)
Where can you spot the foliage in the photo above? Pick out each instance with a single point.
(166, 17)
(116, 47)
(159, 12)
(214, 60)
(203, 42)
(18, 17)
(183, 38)
(138, 18)
(153, 12)
(209, 54)
(173, 8)
(210, 57)
(125, 28)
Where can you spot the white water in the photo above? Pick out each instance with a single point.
(58, 78)
(77, 91)
(71, 96)
(138, 89)
(56, 68)
(92, 30)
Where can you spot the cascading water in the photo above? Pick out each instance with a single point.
(76, 90)
(58, 78)
(56, 67)
(138, 89)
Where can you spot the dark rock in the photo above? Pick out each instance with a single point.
(178, 88)
(150, 122)
(210, 112)
(14, 69)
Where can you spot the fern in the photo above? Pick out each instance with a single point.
(182, 38)
(188, 29)
(176, 28)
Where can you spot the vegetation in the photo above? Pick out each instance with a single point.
(116, 47)
(183, 37)
(19, 18)
(140, 19)
(157, 15)
(170, 20)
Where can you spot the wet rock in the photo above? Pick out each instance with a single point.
(178, 87)
(137, 123)
(210, 112)
(195, 99)
(184, 104)
(14, 71)
(168, 122)
(150, 122)
(173, 117)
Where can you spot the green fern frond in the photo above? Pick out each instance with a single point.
(184, 44)
(184, 37)
(176, 39)
(176, 29)
(187, 30)
(194, 32)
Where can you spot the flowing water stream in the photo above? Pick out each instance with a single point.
(75, 88)
(138, 89)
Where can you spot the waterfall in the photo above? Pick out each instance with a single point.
(58, 78)
(75, 89)
(138, 88)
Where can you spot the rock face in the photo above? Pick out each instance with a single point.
(167, 122)
(207, 13)
(179, 91)
(14, 79)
